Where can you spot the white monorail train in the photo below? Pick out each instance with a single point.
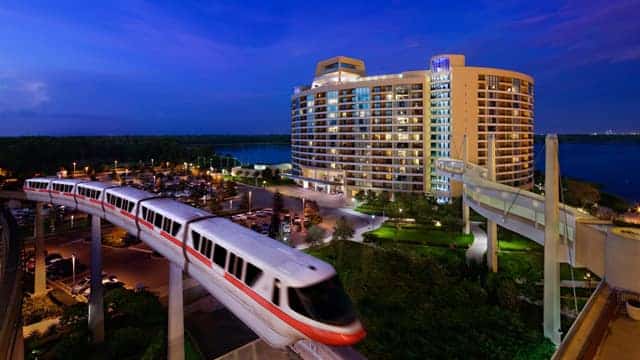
(281, 293)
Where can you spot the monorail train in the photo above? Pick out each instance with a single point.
(282, 294)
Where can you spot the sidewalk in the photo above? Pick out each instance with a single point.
(475, 253)
(350, 214)
(40, 326)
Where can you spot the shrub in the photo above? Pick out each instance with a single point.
(127, 341)
(38, 308)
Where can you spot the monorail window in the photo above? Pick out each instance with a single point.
(232, 262)
(275, 296)
(203, 245)
(196, 240)
(208, 252)
(175, 229)
(144, 212)
(238, 270)
(150, 215)
(219, 256)
(97, 194)
(167, 225)
(325, 301)
(252, 275)
(131, 205)
(158, 221)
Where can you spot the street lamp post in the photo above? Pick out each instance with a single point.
(152, 160)
(249, 201)
(74, 168)
(302, 217)
(73, 268)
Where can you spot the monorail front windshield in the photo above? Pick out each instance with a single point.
(326, 302)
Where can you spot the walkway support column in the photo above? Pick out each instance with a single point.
(40, 276)
(492, 227)
(96, 307)
(176, 314)
(465, 206)
(551, 241)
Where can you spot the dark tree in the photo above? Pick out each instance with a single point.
(342, 230)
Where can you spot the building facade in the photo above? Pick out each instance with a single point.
(352, 132)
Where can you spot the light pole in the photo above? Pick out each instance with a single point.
(86, 170)
(152, 160)
(73, 268)
(72, 216)
(115, 165)
(302, 217)
(249, 201)
(74, 168)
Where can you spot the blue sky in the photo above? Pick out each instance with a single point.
(194, 67)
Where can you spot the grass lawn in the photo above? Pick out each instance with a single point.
(510, 241)
(420, 235)
(369, 210)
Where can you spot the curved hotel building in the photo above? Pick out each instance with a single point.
(352, 132)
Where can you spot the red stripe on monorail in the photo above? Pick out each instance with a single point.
(323, 336)
(81, 196)
(127, 214)
(191, 251)
(97, 202)
(55, 192)
(146, 223)
(109, 206)
(67, 194)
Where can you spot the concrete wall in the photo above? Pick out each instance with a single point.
(622, 259)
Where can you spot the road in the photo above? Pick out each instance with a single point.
(130, 266)
(332, 207)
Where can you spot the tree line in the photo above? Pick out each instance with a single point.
(27, 156)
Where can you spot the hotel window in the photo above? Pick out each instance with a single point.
(492, 81)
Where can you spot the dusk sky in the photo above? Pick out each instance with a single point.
(195, 67)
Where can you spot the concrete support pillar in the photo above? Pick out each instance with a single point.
(465, 216)
(176, 314)
(40, 275)
(551, 299)
(492, 227)
(18, 348)
(96, 307)
(465, 206)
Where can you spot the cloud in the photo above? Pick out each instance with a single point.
(587, 32)
(22, 94)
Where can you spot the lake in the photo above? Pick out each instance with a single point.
(616, 166)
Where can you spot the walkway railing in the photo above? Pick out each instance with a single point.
(509, 203)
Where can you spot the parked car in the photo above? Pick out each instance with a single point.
(64, 268)
(52, 258)
(106, 286)
(81, 285)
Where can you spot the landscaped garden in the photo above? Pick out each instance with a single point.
(432, 305)
(414, 289)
